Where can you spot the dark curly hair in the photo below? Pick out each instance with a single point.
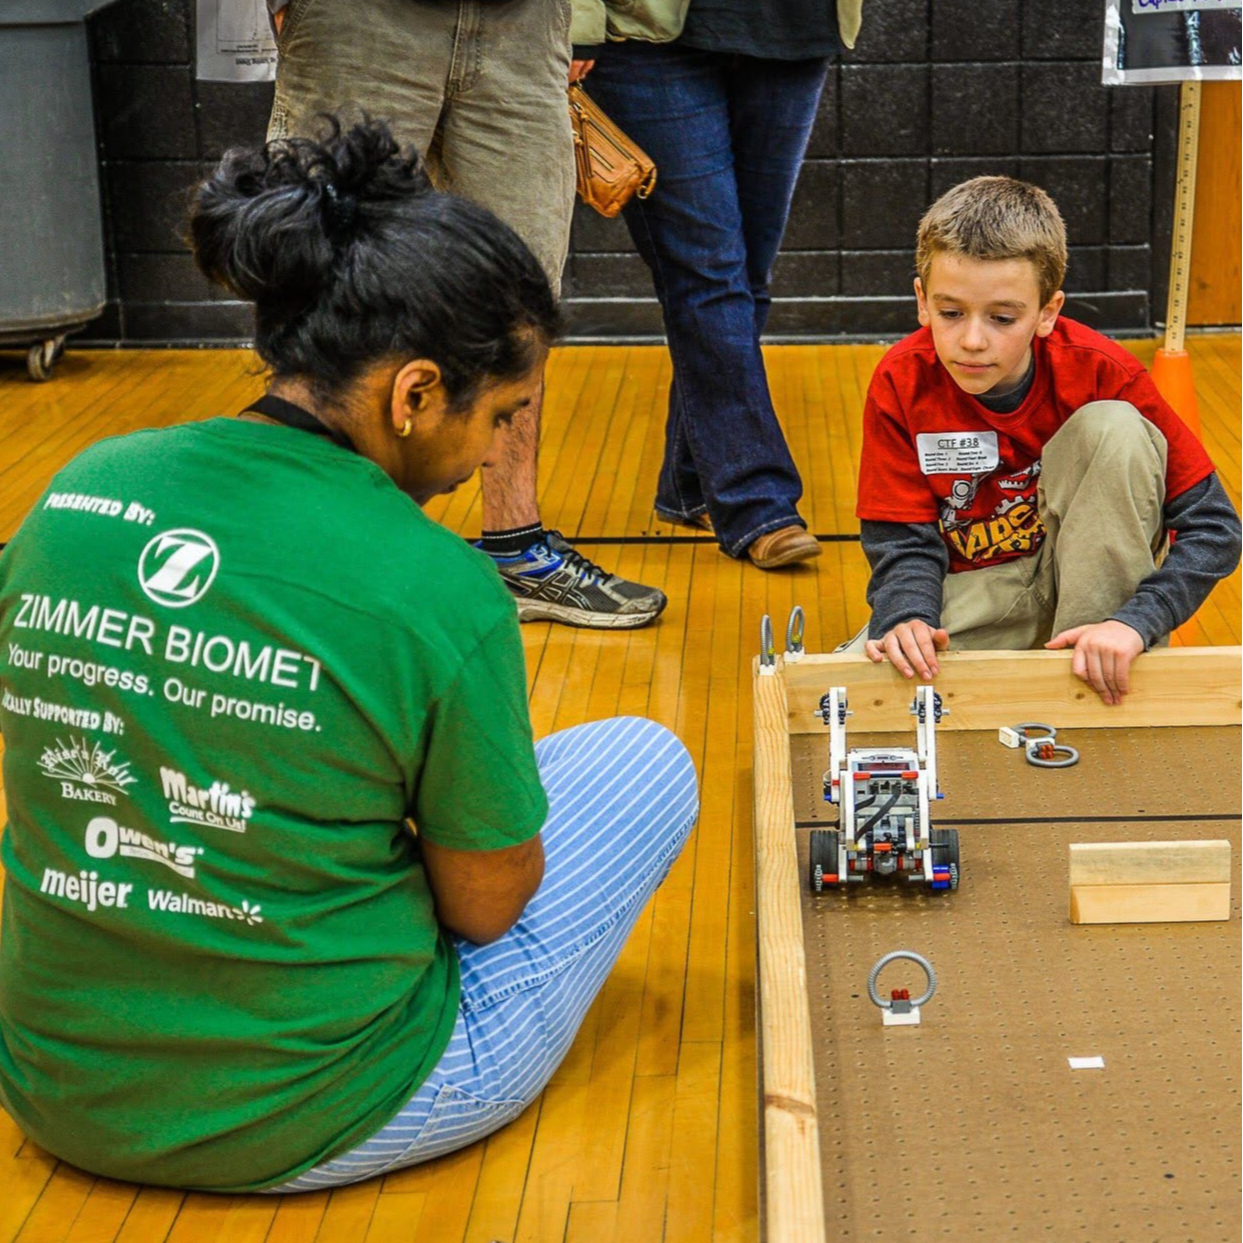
(350, 256)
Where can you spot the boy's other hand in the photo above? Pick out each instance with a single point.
(1103, 655)
(911, 646)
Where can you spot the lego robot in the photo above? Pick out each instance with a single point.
(883, 828)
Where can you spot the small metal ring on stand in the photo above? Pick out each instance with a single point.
(795, 628)
(909, 956)
(1061, 756)
(1027, 731)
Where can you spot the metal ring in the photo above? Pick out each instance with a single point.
(910, 956)
(1026, 731)
(794, 629)
(1069, 754)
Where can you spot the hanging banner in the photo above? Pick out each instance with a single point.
(1150, 41)
(235, 41)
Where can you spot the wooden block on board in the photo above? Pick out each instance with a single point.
(1149, 882)
(1148, 904)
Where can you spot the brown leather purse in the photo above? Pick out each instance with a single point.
(611, 169)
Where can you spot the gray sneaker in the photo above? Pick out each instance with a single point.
(552, 581)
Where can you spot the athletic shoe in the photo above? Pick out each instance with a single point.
(552, 581)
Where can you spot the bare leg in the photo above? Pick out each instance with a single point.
(508, 486)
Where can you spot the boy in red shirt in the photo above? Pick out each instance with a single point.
(1021, 472)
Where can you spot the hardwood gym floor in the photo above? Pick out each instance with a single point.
(648, 1131)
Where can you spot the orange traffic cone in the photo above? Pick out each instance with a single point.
(1171, 373)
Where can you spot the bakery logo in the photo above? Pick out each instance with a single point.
(178, 567)
(105, 839)
(86, 772)
(214, 807)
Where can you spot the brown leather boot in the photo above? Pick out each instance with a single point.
(783, 547)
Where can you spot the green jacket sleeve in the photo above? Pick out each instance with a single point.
(589, 24)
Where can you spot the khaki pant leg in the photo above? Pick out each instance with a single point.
(477, 86)
(1003, 608)
(388, 58)
(506, 141)
(1102, 492)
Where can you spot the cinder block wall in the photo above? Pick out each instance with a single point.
(936, 91)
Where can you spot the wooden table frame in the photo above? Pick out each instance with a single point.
(984, 691)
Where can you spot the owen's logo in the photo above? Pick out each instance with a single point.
(178, 567)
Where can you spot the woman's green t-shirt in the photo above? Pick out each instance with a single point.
(233, 659)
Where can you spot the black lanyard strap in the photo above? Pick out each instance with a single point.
(291, 415)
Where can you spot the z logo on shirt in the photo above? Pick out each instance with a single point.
(177, 568)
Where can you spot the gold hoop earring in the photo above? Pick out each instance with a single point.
(405, 428)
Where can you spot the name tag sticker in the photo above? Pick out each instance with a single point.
(957, 453)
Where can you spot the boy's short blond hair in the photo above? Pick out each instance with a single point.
(996, 218)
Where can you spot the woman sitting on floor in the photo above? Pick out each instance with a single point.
(236, 659)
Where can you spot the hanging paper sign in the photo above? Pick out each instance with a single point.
(235, 41)
(1150, 41)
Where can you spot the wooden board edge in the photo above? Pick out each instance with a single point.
(986, 690)
(793, 1194)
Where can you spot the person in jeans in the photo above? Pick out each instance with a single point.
(724, 105)
(230, 684)
(479, 89)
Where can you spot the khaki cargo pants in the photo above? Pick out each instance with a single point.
(1101, 496)
(477, 86)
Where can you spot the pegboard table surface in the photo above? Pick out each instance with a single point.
(1189, 774)
(972, 1125)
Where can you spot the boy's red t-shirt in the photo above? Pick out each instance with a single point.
(932, 453)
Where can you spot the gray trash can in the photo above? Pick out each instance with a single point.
(51, 235)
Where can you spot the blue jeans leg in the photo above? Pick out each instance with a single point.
(622, 799)
(728, 135)
(773, 106)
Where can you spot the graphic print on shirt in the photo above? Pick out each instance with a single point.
(213, 806)
(86, 772)
(176, 568)
(1011, 528)
(59, 713)
(105, 839)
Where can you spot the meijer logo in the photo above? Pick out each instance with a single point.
(178, 567)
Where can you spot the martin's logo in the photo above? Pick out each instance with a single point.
(178, 567)
(215, 806)
(86, 772)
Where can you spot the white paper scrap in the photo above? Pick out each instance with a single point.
(1086, 1063)
(235, 41)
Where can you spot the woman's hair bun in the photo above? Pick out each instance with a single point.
(351, 257)
(271, 221)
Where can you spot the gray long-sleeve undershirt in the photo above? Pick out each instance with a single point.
(909, 563)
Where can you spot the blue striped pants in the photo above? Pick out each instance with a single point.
(622, 799)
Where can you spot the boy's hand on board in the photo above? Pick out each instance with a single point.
(912, 648)
(1103, 656)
